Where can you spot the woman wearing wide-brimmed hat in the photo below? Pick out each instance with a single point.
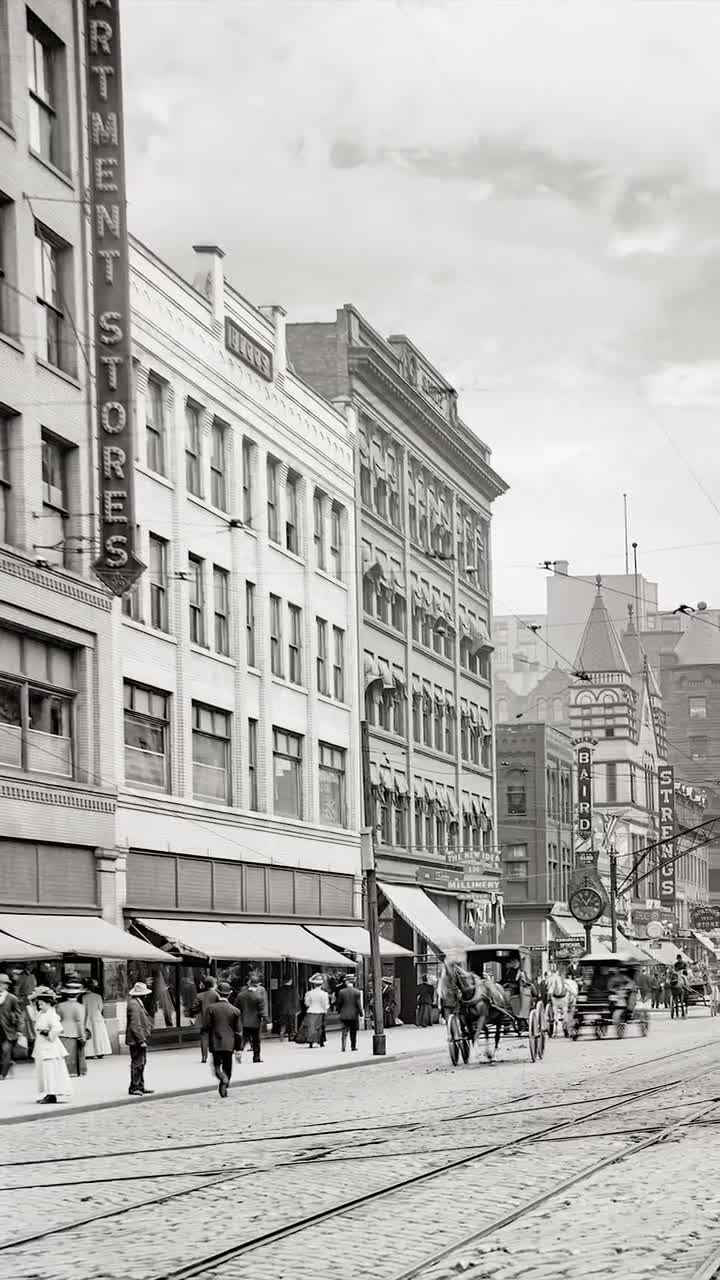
(317, 1003)
(73, 1016)
(50, 1052)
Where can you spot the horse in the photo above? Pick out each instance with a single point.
(563, 992)
(481, 1000)
(714, 996)
(679, 988)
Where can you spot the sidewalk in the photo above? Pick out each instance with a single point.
(174, 1072)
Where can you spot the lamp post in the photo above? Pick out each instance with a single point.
(373, 924)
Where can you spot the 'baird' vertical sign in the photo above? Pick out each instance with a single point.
(584, 795)
(117, 565)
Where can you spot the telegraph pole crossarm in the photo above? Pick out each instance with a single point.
(373, 923)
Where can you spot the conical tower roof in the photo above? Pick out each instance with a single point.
(600, 648)
(632, 648)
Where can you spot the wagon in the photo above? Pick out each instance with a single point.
(602, 1000)
(527, 1012)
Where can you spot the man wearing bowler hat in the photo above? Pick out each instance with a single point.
(10, 1018)
(137, 1034)
(223, 1024)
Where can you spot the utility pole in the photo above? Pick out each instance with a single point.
(368, 854)
(613, 900)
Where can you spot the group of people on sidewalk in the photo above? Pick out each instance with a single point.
(231, 1022)
(59, 1029)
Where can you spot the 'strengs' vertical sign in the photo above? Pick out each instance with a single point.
(116, 566)
(666, 784)
(584, 794)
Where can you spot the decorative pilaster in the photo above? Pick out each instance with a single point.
(311, 796)
(262, 643)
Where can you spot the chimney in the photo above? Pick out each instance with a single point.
(210, 279)
(277, 316)
(562, 566)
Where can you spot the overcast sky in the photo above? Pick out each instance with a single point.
(531, 191)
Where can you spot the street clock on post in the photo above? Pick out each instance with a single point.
(586, 904)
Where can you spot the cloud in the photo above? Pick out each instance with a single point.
(687, 386)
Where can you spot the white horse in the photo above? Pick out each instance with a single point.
(564, 993)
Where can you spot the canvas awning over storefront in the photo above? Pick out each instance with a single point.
(705, 942)
(420, 912)
(14, 949)
(80, 936)
(283, 942)
(665, 953)
(354, 938)
(210, 939)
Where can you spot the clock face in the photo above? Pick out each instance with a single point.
(586, 904)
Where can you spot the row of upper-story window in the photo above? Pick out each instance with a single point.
(434, 713)
(439, 827)
(209, 620)
(430, 505)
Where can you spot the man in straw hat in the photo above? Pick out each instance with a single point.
(137, 1034)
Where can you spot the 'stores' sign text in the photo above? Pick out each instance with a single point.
(666, 785)
(117, 565)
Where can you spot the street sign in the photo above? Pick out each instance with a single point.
(586, 858)
(704, 917)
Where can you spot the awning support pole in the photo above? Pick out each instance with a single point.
(373, 922)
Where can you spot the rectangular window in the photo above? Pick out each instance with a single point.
(248, 467)
(439, 718)
(36, 704)
(155, 426)
(192, 449)
(276, 655)
(250, 622)
(211, 754)
(332, 786)
(8, 258)
(697, 708)
(449, 724)
(338, 664)
(196, 599)
(517, 799)
(221, 601)
(611, 782)
(336, 540)
(273, 520)
(45, 59)
(427, 704)
(287, 774)
(292, 531)
(147, 737)
(53, 282)
(319, 529)
(698, 748)
(252, 765)
(158, 583)
(429, 828)
(322, 657)
(295, 645)
(218, 466)
(54, 478)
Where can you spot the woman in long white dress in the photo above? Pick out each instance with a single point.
(98, 1045)
(50, 1053)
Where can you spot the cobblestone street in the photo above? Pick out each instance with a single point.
(421, 1157)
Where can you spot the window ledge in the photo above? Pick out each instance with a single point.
(207, 506)
(255, 671)
(419, 647)
(136, 625)
(52, 168)
(330, 577)
(287, 684)
(483, 680)
(332, 702)
(7, 128)
(9, 341)
(291, 555)
(60, 373)
(154, 475)
(385, 627)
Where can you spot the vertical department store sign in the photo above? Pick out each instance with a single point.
(584, 794)
(117, 566)
(666, 786)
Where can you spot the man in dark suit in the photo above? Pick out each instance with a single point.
(137, 1034)
(251, 1000)
(207, 996)
(348, 1005)
(223, 1025)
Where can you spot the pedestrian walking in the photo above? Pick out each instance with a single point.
(206, 996)
(222, 1023)
(52, 1075)
(98, 1041)
(287, 1009)
(317, 1003)
(424, 1003)
(349, 1008)
(251, 1000)
(73, 1016)
(137, 1034)
(11, 1013)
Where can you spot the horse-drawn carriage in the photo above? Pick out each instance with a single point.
(608, 996)
(494, 992)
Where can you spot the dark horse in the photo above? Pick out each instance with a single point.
(480, 1003)
(679, 988)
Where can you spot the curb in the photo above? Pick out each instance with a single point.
(72, 1110)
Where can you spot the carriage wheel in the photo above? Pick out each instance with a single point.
(550, 1020)
(542, 1029)
(455, 1037)
(465, 1049)
(644, 1024)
